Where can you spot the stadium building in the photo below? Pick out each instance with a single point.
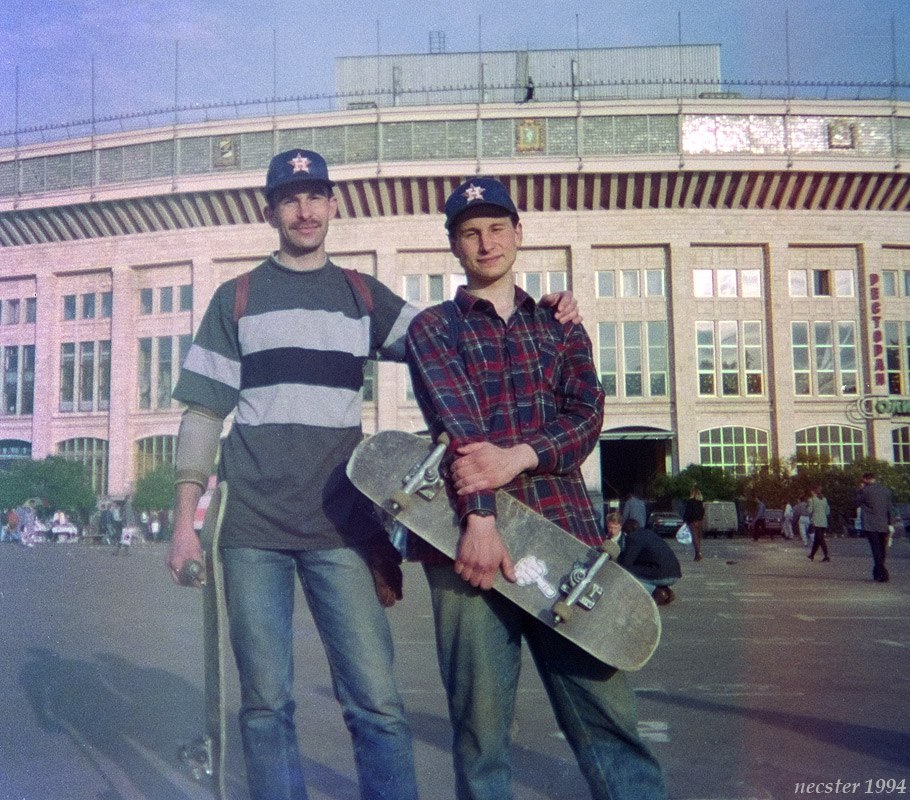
(742, 263)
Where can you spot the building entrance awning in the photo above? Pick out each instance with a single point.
(632, 435)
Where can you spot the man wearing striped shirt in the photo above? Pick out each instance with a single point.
(519, 396)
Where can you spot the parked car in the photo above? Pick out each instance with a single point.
(771, 524)
(721, 517)
(902, 527)
(664, 523)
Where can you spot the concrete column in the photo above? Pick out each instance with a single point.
(124, 381)
(47, 364)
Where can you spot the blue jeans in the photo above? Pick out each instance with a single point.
(478, 641)
(339, 589)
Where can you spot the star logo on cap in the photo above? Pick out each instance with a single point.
(299, 163)
(474, 192)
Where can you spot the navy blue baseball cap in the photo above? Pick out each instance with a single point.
(475, 193)
(296, 166)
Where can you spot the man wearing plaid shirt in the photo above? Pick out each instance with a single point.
(518, 394)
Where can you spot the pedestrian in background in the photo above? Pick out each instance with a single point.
(819, 510)
(877, 514)
(694, 516)
(801, 514)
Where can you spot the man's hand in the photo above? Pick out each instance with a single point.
(185, 546)
(483, 465)
(481, 553)
(566, 306)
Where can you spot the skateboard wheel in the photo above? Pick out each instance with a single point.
(562, 611)
(443, 438)
(191, 573)
(401, 501)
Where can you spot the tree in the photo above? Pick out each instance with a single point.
(155, 490)
(713, 482)
(58, 483)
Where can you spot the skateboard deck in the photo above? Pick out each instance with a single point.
(206, 755)
(575, 589)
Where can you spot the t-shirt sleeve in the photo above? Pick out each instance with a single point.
(389, 322)
(210, 374)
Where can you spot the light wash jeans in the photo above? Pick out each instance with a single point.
(478, 640)
(355, 632)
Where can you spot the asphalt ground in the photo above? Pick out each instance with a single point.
(775, 678)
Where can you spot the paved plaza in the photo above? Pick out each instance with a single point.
(775, 678)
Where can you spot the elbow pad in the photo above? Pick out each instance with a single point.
(197, 446)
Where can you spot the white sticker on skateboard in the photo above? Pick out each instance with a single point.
(531, 569)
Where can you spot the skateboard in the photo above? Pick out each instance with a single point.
(205, 756)
(578, 591)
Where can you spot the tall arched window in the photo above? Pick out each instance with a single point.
(736, 449)
(92, 453)
(839, 444)
(153, 451)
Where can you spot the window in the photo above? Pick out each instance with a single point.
(606, 356)
(750, 281)
(843, 282)
(85, 376)
(799, 285)
(704, 342)
(88, 306)
(69, 307)
(900, 443)
(11, 311)
(730, 355)
(632, 359)
(369, 382)
(838, 445)
(10, 379)
(153, 452)
(165, 371)
(533, 284)
(13, 451)
(821, 283)
(186, 297)
(107, 305)
(145, 301)
(631, 283)
(67, 375)
(27, 397)
(907, 283)
(145, 373)
(822, 364)
(726, 283)
(606, 284)
(435, 288)
(31, 310)
(165, 300)
(897, 355)
(734, 449)
(889, 283)
(412, 288)
(654, 283)
(156, 369)
(93, 454)
(644, 367)
(658, 364)
(703, 282)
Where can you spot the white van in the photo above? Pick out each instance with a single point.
(721, 518)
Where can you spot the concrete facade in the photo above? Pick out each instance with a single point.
(698, 267)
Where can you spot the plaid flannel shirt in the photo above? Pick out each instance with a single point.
(527, 380)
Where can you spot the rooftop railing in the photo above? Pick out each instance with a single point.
(687, 89)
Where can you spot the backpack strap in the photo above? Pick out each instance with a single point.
(355, 280)
(241, 296)
(360, 287)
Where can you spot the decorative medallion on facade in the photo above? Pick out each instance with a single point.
(841, 135)
(227, 153)
(529, 136)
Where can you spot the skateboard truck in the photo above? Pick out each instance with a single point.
(424, 479)
(579, 587)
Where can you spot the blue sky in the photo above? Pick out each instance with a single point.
(226, 48)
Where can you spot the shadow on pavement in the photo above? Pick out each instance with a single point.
(877, 743)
